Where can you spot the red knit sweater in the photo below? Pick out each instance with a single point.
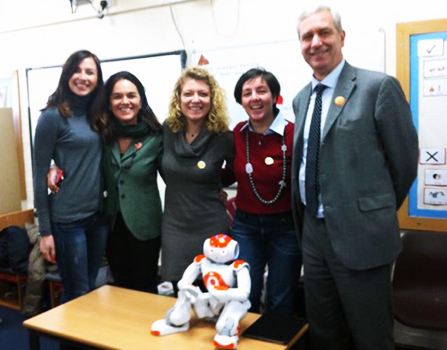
(266, 177)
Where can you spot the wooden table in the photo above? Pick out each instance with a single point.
(117, 318)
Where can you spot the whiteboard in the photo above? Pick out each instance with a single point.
(283, 59)
(158, 74)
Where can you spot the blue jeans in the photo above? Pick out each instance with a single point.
(80, 248)
(270, 240)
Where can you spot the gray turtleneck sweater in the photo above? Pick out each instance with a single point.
(76, 149)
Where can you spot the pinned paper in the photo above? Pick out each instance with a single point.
(435, 196)
(435, 87)
(436, 177)
(203, 61)
(431, 47)
(435, 68)
(432, 156)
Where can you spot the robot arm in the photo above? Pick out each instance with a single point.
(239, 293)
(190, 275)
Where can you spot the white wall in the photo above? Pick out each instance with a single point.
(45, 32)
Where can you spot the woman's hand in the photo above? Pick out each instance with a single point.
(52, 176)
(223, 195)
(48, 249)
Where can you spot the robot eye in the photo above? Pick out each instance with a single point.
(211, 251)
(223, 252)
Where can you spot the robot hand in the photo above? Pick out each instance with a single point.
(191, 291)
(220, 293)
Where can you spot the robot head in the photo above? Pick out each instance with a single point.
(221, 248)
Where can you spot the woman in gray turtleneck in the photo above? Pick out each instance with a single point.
(73, 231)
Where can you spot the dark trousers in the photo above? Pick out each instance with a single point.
(80, 248)
(270, 240)
(342, 304)
(133, 263)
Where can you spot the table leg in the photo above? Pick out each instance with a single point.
(34, 340)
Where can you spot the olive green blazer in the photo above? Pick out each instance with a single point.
(130, 182)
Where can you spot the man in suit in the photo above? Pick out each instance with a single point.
(361, 161)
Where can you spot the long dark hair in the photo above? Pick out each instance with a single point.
(145, 114)
(60, 98)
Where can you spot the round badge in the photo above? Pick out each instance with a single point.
(268, 160)
(339, 100)
(201, 164)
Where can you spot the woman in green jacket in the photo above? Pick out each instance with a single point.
(131, 157)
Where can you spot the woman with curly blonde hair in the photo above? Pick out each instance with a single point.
(196, 143)
(216, 120)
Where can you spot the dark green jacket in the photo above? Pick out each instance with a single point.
(131, 185)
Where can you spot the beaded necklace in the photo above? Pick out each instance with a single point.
(249, 171)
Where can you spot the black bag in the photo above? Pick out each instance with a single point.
(4, 257)
(18, 247)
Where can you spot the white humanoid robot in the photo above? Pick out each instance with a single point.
(228, 283)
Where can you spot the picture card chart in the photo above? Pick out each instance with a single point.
(428, 100)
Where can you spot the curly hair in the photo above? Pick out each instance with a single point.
(217, 119)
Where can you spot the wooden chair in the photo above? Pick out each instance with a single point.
(420, 281)
(18, 218)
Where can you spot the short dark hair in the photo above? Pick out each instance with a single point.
(269, 78)
(145, 114)
(60, 98)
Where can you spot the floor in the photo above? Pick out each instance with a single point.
(419, 339)
(13, 336)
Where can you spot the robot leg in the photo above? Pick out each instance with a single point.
(204, 306)
(177, 318)
(227, 326)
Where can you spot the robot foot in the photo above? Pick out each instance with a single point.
(225, 341)
(160, 327)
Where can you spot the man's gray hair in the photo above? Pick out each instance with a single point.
(315, 9)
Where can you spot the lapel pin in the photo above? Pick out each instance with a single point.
(268, 161)
(201, 164)
(340, 100)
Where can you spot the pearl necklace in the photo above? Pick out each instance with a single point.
(249, 171)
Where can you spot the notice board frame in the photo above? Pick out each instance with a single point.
(404, 31)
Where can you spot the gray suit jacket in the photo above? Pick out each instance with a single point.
(368, 162)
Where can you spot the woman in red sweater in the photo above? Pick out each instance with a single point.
(263, 224)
